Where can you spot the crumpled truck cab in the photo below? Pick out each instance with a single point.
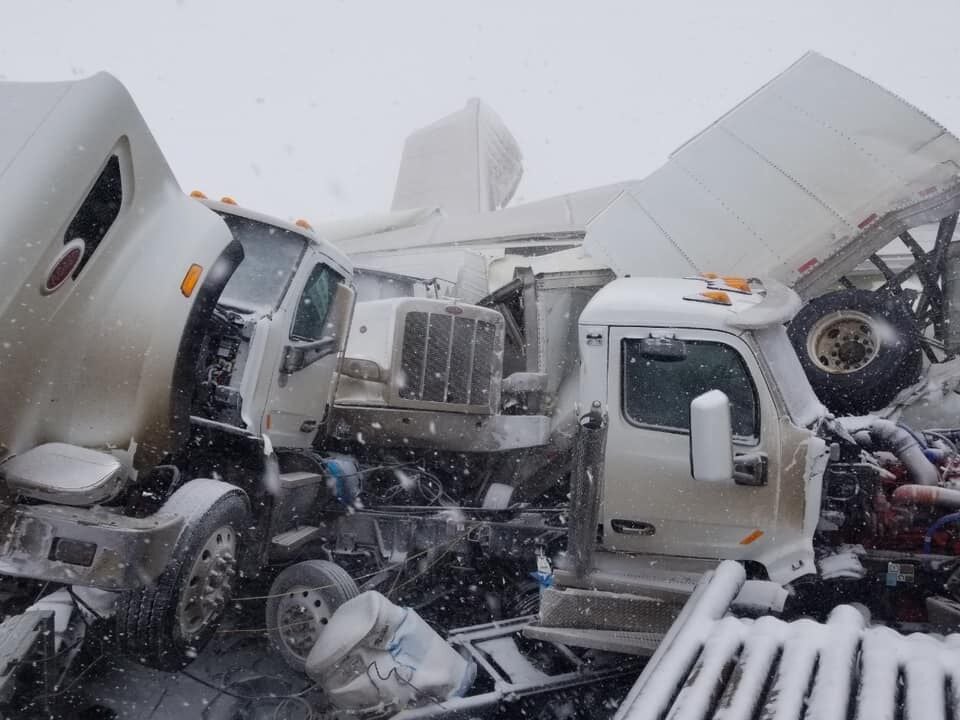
(108, 276)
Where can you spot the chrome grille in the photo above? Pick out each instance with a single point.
(447, 359)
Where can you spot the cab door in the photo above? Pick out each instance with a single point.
(651, 503)
(311, 329)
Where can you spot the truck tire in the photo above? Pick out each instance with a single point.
(302, 599)
(166, 624)
(858, 349)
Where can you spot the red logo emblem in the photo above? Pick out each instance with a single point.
(63, 266)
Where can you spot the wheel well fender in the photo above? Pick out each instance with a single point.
(197, 496)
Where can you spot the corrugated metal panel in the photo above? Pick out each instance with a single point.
(714, 665)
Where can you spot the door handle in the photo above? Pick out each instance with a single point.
(750, 469)
(632, 527)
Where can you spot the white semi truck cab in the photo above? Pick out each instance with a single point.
(649, 348)
(701, 440)
(272, 348)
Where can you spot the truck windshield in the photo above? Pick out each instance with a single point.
(271, 256)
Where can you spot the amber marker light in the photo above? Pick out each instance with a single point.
(737, 283)
(191, 279)
(716, 296)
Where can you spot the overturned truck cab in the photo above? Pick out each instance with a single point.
(108, 274)
(158, 352)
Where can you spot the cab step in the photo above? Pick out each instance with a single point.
(293, 539)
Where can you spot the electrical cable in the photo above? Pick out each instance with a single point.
(394, 672)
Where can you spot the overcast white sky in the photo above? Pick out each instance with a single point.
(300, 109)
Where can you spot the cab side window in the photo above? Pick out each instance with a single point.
(657, 392)
(97, 213)
(310, 322)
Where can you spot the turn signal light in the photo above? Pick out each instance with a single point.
(714, 297)
(191, 279)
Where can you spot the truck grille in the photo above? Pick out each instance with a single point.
(447, 359)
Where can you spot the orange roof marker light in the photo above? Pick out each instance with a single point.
(714, 297)
(191, 279)
(301, 223)
(737, 283)
(227, 200)
(198, 195)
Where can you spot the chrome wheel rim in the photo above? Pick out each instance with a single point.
(843, 342)
(302, 614)
(208, 585)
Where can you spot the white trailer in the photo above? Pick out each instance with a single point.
(803, 182)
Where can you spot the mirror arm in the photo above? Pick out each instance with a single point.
(298, 356)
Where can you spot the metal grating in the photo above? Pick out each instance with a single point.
(714, 665)
(447, 359)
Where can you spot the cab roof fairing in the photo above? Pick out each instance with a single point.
(667, 302)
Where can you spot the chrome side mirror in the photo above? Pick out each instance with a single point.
(342, 313)
(711, 438)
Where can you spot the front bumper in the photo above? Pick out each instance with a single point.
(85, 546)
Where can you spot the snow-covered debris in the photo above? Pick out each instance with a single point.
(715, 665)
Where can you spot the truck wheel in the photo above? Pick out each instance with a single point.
(858, 348)
(302, 599)
(165, 625)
